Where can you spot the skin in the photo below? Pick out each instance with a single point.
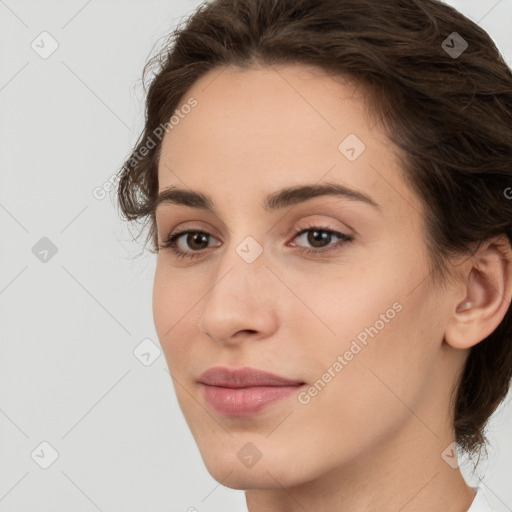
(373, 437)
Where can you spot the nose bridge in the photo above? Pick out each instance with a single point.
(243, 256)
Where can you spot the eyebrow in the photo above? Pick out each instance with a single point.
(276, 200)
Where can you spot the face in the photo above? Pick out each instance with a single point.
(330, 292)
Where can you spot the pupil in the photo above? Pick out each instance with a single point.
(199, 237)
(318, 236)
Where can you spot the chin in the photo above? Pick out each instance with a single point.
(245, 479)
(264, 474)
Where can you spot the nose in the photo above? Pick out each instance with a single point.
(241, 302)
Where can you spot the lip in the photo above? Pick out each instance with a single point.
(244, 391)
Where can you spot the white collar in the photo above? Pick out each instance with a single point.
(480, 503)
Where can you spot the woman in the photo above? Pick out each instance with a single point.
(325, 183)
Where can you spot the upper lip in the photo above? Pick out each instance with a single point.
(243, 378)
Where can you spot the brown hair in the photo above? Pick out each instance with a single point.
(450, 117)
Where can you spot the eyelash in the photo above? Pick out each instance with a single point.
(170, 243)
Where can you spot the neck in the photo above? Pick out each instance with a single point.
(405, 473)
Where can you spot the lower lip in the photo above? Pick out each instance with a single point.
(245, 401)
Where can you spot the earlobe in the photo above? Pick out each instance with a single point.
(488, 292)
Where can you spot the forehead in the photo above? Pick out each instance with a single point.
(255, 130)
(268, 108)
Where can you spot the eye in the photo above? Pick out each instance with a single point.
(196, 240)
(319, 237)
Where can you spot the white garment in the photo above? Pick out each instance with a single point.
(480, 503)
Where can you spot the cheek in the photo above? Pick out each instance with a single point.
(173, 301)
(163, 302)
(377, 319)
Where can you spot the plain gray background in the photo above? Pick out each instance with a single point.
(71, 319)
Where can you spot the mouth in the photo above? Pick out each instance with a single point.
(244, 392)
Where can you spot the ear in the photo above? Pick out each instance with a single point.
(487, 292)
